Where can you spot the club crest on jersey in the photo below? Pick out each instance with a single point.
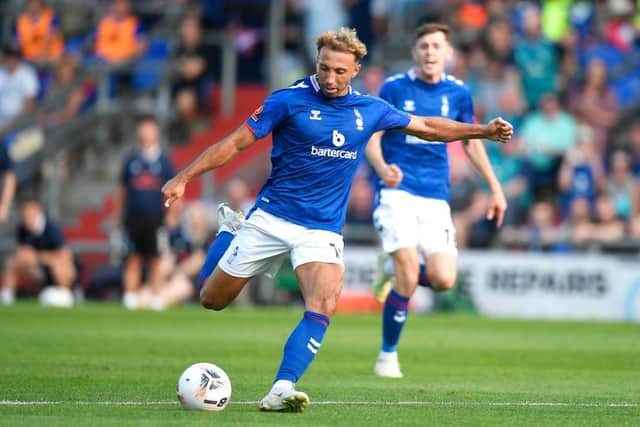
(359, 121)
(256, 114)
(444, 109)
(315, 115)
(409, 105)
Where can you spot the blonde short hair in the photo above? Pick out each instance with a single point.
(343, 40)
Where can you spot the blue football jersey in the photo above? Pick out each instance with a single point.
(317, 145)
(425, 164)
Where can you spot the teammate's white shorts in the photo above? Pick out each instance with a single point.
(404, 220)
(264, 240)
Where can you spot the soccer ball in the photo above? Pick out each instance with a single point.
(204, 386)
(56, 296)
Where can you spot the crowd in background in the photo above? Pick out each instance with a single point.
(566, 73)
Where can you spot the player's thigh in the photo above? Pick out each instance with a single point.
(436, 232)
(220, 289)
(396, 219)
(255, 249)
(320, 284)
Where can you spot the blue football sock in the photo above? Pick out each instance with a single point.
(393, 319)
(302, 345)
(216, 250)
(422, 277)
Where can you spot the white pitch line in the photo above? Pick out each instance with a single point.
(337, 402)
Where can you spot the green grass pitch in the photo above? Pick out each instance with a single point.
(101, 365)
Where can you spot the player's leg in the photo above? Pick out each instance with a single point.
(132, 277)
(396, 222)
(25, 260)
(395, 311)
(441, 273)
(437, 236)
(220, 289)
(252, 251)
(228, 223)
(317, 259)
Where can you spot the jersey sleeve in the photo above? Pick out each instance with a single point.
(269, 115)
(392, 118)
(467, 115)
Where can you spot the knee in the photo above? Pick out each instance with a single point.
(326, 306)
(211, 302)
(443, 281)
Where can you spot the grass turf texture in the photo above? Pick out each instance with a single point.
(102, 365)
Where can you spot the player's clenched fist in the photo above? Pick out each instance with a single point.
(500, 130)
(172, 190)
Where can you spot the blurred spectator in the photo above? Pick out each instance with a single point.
(555, 19)
(369, 80)
(608, 227)
(119, 37)
(9, 180)
(622, 187)
(190, 59)
(633, 142)
(540, 233)
(536, 59)
(38, 35)
(369, 19)
(546, 135)
(317, 21)
(64, 95)
(579, 223)
(238, 195)
(42, 254)
(596, 104)
(499, 41)
(18, 86)
(187, 119)
(581, 173)
(140, 205)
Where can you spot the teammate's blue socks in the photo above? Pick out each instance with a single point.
(393, 318)
(422, 277)
(216, 250)
(302, 345)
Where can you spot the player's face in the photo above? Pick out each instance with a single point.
(431, 53)
(335, 71)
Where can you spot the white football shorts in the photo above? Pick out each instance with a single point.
(264, 240)
(404, 220)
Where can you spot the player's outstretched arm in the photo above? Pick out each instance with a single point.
(478, 155)
(214, 156)
(391, 174)
(446, 130)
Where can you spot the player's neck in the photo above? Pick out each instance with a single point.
(428, 78)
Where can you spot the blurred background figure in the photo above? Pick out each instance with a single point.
(37, 34)
(140, 207)
(9, 181)
(18, 86)
(119, 37)
(42, 255)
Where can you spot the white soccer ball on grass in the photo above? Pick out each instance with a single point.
(204, 386)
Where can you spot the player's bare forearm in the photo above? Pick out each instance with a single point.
(213, 157)
(218, 154)
(447, 130)
(478, 155)
(373, 151)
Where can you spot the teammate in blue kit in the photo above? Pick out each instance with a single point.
(320, 128)
(412, 214)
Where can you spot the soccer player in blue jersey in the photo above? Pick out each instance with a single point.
(320, 128)
(412, 214)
